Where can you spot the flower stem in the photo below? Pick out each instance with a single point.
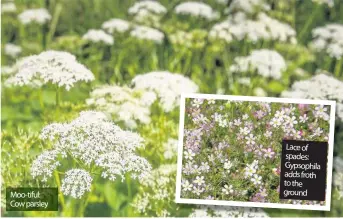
(338, 67)
(58, 98)
(58, 182)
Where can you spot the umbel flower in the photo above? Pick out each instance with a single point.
(147, 33)
(321, 86)
(267, 63)
(167, 86)
(329, 39)
(39, 16)
(12, 50)
(147, 8)
(60, 68)
(247, 6)
(156, 193)
(116, 25)
(94, 142)
(98, 36)
(8, 7)
(123, 103)
(238, 27)
(196, 9)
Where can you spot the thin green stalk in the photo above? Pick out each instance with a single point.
(41, 102)
(54, 22)
(338, 67)
(308, 23)
(57, 97)
(129, 192)
(58, 182)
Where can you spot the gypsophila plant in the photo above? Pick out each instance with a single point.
(231, 149)
(98, 36)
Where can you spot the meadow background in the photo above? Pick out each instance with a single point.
(236, 47)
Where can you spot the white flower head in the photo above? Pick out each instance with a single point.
(196, 9)
(131, 106)
(12, 50)
(321, 86)
(45, 164)
(147, 33)
(98, 36)
(116, 25)
(94, 140)
(247, 6)
(39, 15)
(168, 87)
(170, 148)
(76, 183)
(328, 39)
(8, 7)
(60, 68)
(146, 9)
(267, 63)
(238, 27)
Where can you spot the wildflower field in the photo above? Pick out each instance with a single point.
(91, 91)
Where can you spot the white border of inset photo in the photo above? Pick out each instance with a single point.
(326, 207)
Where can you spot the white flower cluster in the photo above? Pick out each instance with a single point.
(264, 28)
(247, 6)
(170, 148)
(8, 7)
(196, 9)
(267, 63)
(144, 9)
(39, 15)
(8, 70)
(157, 191)
(98, 36)
(45, 164)
(228, 212)
(321, 86)
(168, 87)
(76, 182)
(93, 140)
(116, 25)
(56, 67)
(329, 39)
(12, 50)
(123, 103)
(147, 33)
(193, 39)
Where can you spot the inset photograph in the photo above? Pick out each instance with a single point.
(253, 151)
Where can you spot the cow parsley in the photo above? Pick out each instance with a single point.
(157, 192)
(124, 104)
(267, 63)
(76, 183)
(168, 87)
(8, 7)
(196, 9)
(329, 39)
(238, 27)
(97, 36)
(12, 50)
(39, 16)
(60, 68)
(93, 141)
(116, 25)
(321, 86)
(247, 6)
(147, 33)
